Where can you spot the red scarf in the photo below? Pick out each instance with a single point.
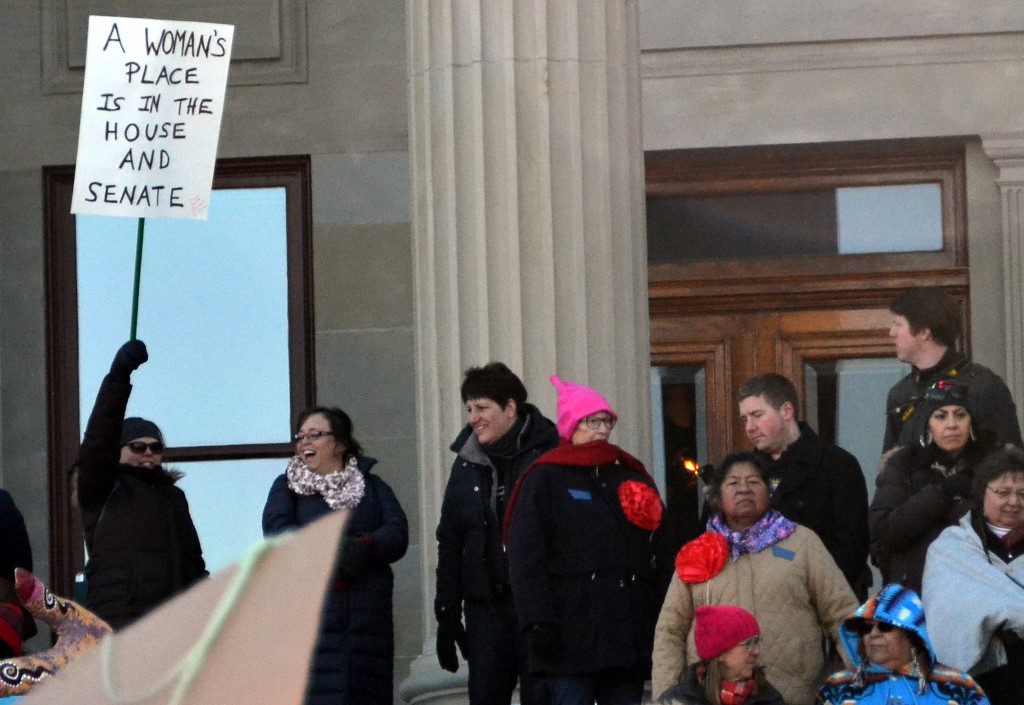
(737, 692)
(590, 454)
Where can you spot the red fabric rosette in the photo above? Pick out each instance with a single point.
(641, 504)
(703, 558)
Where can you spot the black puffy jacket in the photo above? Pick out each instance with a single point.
(355, 652)
(143, 546)
(912, 506)
(471, 563)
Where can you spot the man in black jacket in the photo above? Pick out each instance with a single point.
(143, 546)
(503, 437)
(924, 331)
(813, 483)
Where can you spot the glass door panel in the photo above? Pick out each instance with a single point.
(844, 401)
(679, 399)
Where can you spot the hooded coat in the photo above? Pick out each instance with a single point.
(143, 546)
(871, 684)
(471, 562)
(355, 651)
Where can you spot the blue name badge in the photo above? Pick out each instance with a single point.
(783, 553)
(583, 495)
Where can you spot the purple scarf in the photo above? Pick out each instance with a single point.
(766, 531)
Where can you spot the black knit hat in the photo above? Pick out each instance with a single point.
(135, 428)
(945, 392)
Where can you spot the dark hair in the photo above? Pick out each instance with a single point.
(494, 381)
(341, 428)
(1008, 459)
(716, 476)
(932, 308)
(775, 389)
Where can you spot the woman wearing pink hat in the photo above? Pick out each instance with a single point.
(582, 536)
(728, 643)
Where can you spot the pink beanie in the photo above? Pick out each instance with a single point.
(576, 402)
(718, 629)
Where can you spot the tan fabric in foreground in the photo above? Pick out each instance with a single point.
(793, 601)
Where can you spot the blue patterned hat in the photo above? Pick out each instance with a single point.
(895, 605)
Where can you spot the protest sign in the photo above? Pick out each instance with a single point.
(151, 112)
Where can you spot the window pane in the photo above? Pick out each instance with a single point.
(680, 441)
(904, 218)
(855, 220)
(213, 311)
(844, 403)
(226, 499)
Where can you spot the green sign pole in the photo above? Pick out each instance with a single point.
(138, 277)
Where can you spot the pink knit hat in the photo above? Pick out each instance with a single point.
(719, 628)
(576, 402)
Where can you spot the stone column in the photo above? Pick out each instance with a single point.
(528, 223)
(1007, 151)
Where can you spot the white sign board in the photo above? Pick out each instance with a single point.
(151, 111)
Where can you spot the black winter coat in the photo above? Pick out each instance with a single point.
(143, 546)
(355, 652)
(15, 551)
(912, 506)
(471, 562)
(579, 564)
(821, 486)
(992, 405)
(690, 692)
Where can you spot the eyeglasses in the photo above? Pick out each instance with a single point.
(141, 446)
(751, 643)
(311, 436)
(1005, 492)
(864, 627)
(595, 422)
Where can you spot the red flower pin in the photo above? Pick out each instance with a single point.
(703, 558)
(641, 504)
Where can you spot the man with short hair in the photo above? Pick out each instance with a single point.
(812, 482)
(503, 437)
(925, 328)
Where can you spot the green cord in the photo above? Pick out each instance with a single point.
(187, 669)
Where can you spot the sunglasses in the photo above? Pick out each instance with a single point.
(864, 627)
(141, 446)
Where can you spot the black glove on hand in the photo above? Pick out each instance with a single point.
(355, 556)
(448, 635)
(957, 485)
(128, 359)
(543, 639)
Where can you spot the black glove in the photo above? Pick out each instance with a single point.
(355, 556)
(448, 635)
(543, 639)
(957, 485)
(128, 359)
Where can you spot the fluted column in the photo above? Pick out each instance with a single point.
(1007, 151)
(528, 215)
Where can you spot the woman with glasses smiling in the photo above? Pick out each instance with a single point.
(582, 536)
(974, 582)
(894, 662)
(355, 652)
(143, 546)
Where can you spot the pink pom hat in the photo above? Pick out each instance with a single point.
(576, 402)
